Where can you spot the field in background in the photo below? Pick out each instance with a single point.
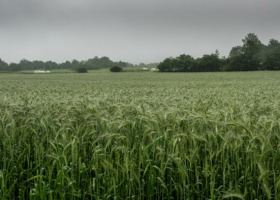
(140, 136)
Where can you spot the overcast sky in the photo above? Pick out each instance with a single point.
(129, 30)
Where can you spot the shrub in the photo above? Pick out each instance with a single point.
(82, 70)
(116, 69)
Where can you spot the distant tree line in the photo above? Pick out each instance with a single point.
(92, 63)
(251, 56)
(143, 65)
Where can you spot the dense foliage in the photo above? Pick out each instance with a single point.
(251, 56)
(140, 136)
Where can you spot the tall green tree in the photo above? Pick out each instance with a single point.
(236, 59)
(209, 63)
(25, 64)
(120, 64)
(185, 63)
(248, 56)
(3, 65)
(251, 48)
(272, 55)
(14, 67)
(97, 63)
(75, 64)
(168, 65)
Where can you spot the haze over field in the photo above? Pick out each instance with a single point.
(133, 31)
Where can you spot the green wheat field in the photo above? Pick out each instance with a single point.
(140, 136)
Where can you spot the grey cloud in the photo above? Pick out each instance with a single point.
(130, 30)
